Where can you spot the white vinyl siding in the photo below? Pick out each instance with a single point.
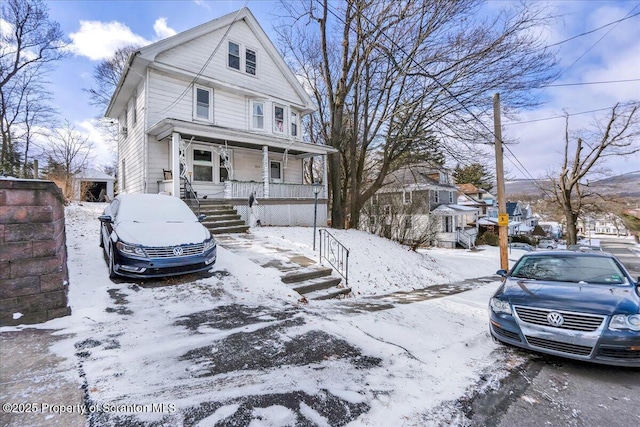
(191, 57)
(167, 98)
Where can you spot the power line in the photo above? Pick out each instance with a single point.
(592, 31)
(401, 49)
(591, 83)
(598, 41)
(557, 117)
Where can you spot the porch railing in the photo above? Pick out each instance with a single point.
(190, 197)
(335, 253)
(243, 189)
(467, 238)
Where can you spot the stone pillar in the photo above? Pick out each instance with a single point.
(33, 252)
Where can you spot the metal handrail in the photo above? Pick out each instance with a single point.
(335, 253)
(190, 195)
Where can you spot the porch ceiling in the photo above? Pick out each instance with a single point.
(235, 138)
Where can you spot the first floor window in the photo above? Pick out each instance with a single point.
(275, 171)
(202, 165)
(257, 115)
(407, 222)
(278, 119)
(448, 224)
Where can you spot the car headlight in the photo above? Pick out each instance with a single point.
(623, 321)
(208, 244)
(131, 249)
(499, 306)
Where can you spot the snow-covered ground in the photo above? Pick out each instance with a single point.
(227, 345)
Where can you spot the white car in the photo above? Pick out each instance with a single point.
(548, 244)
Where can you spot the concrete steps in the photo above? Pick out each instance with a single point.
(221, 218)
(315, 283)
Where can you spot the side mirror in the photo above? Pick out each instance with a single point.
(105, 218)
(202, 217)
(502, 273)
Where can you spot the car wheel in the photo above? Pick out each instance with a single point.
(549, 247)
(101, 244)
(111, 261)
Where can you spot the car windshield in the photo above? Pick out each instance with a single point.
(154, 208)
(578, 269)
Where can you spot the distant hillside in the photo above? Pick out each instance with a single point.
(627, 185)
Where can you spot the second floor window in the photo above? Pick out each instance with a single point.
(436, 196)
(406, 197)
(451, 197)
(234, 55)
(257, 115)
(294, 124)
(278, 119)
(203, 110)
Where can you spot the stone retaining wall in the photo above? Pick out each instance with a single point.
(33, 252)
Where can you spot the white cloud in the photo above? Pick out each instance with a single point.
(103, 152)
(99, 40)
(162, 29)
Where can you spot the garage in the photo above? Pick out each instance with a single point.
(92, 185)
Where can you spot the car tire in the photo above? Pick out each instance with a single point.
(549, 247)
(110, 263)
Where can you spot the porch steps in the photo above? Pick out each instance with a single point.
(221, 218)
(315, 283)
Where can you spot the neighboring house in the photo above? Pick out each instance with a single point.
(602, 224)
(92, 185)
(470, 195)
(418, 204)
(215, 112)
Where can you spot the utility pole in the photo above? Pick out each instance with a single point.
(503, 217)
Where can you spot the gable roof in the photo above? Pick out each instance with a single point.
(415, 177)
(142, 58)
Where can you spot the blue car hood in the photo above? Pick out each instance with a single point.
(585, 298)
(161, 234)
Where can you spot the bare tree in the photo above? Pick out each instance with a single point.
(106, 76)
(391, 80)
(69, 152)
(615, 136)
(28, 43)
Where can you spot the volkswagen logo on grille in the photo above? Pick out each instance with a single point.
(177, 251)
(555, 319)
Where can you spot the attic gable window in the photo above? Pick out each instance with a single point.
(234, 56)
(250, 61)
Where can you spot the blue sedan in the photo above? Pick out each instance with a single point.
(579, 305)
(154, 235)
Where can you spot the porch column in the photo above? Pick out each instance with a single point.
(265, 171)
(175, 164)
(325, 184)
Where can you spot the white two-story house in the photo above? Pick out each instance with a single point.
(215, 112)
(418, 205)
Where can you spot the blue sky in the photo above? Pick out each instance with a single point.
(97, 28)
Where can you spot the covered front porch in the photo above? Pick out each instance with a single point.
(458, 225)
(228, 165)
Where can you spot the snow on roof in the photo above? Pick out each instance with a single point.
(94, 174)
